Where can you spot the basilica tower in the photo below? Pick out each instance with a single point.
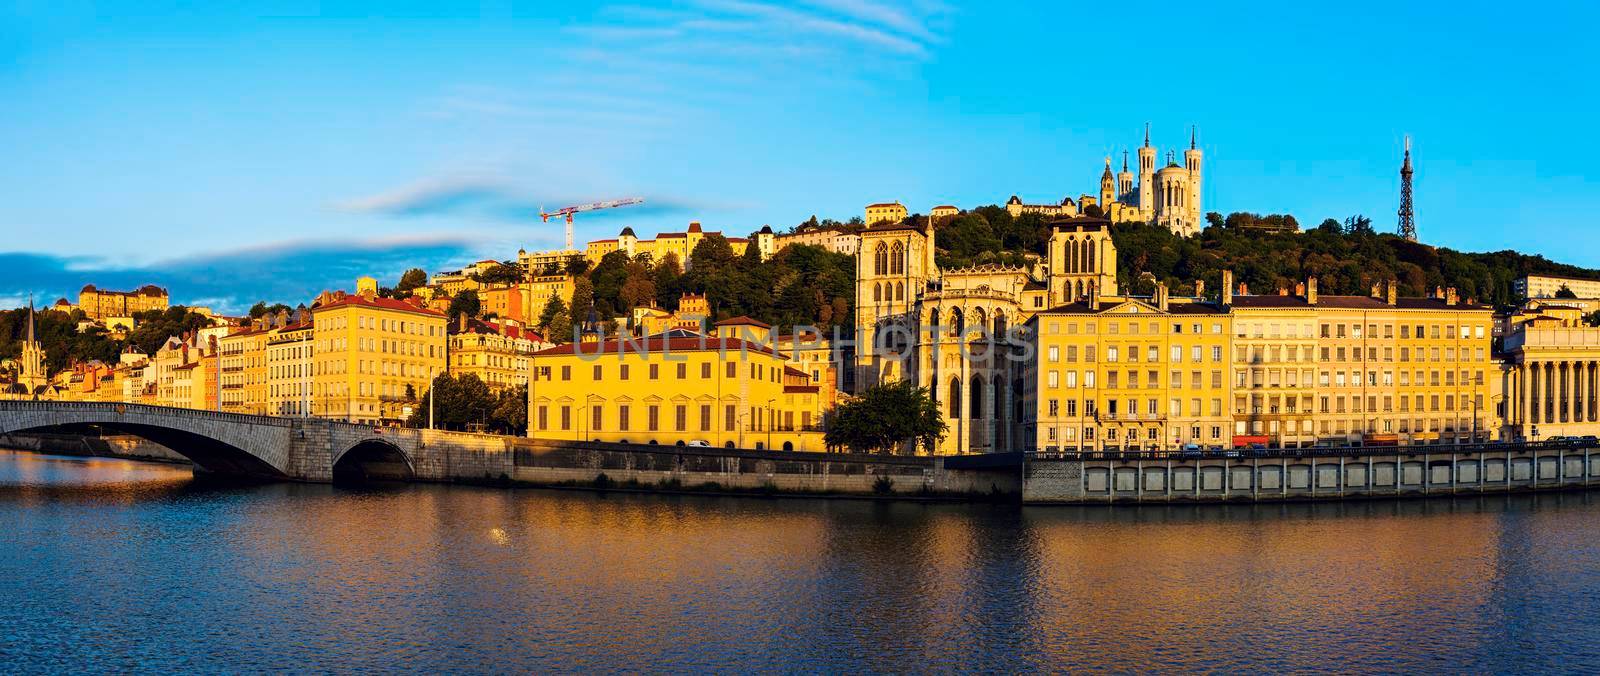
(1192, 159)
(1147, 175)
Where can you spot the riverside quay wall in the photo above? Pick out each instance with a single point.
(548, 462)
(1310, 474)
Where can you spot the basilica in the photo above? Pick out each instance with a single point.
(1169, 196)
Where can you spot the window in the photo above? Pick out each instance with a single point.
(596, 419)
(683, 371)
(623, 371)
(655, 374)
(705, 370)
(566, 372)
(654, 414)
(566, 418)
(597, 371)
(680, 417)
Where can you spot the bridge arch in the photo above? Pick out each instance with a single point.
(219, 443)
(373, 460)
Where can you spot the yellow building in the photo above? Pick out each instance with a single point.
(678, 244)
(374, 357)
(1549, 377)
(496, 353)
(289, 370)
(1127, 374)
(244, 371)
(890, 212)
(100, 303)
(1389, 370)
(675, 389)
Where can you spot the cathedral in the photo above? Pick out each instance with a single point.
(952, 331)
(1169, 196)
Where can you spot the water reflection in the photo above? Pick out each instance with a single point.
(114, 565)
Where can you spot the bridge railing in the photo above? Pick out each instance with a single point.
(1318, 451)
(144, 409)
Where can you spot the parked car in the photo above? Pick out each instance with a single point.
(699, 444)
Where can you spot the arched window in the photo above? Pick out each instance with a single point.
(933, 321)
(955, 397)
(1078, 293)
(880, 259)
(999, 325)
(1092, 252)
(877, 293)
(957, 322)
(976, 387)
(1072, 255)
(897, 259)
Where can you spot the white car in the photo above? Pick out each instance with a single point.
(698, 443)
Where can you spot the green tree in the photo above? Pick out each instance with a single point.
(884, 418)
(463, 402)
(555, 307)
(582, 299)
(1565, 292)
(410, 280)
(500, 274)
(465, 303)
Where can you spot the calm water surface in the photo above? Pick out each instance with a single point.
(109, 565)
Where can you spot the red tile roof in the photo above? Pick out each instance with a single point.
(742, 320)
(657, 344)
(381, 303)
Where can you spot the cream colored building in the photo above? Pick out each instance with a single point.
(678, 244)
(1546, 286)
(885, 212)
(100, 303)
(1170, 195)
(1549, 381)
(244, 371)
(289, 368)
(497, 353)
(837, 241)
(373, 357)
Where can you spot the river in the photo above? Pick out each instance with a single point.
(112, 565)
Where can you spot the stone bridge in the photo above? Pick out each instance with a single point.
(301, 449)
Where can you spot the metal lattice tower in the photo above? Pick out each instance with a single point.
(1408, 221)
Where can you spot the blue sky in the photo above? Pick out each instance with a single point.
(236, 151)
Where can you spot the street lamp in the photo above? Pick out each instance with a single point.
(769, 423)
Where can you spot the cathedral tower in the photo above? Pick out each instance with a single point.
(1108, 187)
(1192, 159)
(1125, 181)
(1147, 174)
(32, 375)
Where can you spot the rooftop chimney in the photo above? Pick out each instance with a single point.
(1161, 296)
(1450, 296)
(1389, 292)
(1377, 290)
(1300, 289)
(1199, 288)
(1227, 287)
(1311, 290)
(1094, 296)
(1244, 289)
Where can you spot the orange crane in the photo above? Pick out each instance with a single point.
(544, 216)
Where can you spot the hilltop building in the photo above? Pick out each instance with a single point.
(101, 304)
(1168, 196)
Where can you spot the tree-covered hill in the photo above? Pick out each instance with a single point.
(1347, 258)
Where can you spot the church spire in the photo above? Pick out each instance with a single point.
(1192, 132)
(30, 317)
(1147, 134)
(1124, 161)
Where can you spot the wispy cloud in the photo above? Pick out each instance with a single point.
(230, 281)
(499, 199)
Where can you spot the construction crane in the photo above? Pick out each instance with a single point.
(544, 216)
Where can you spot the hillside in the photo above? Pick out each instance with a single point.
(1347, 259)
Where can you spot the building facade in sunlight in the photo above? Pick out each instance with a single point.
(373, 357)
